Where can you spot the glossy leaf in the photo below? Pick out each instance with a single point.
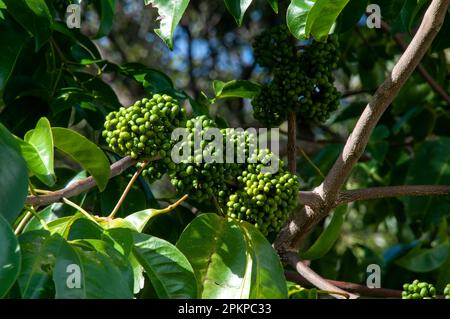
(48, 214)
(236, 88)
(217, 250)
(80, 149)
(40, 143)
(34, 16)
(328, 237)
(168, 269)
(170, 13)
(425, 260)
(237, 8)
(10, 257)
(267, 273)
(104, 272)
(274, 5)
(322, 17)
(39, 251)
(106, 10)
(296, 17)
(14, 176)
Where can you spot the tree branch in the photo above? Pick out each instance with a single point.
(306, 218)
(382, 98)
(310, 276)
(79, 186)
(348, 286)
(392, 191)
(427, 76)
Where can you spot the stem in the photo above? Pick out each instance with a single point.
(173, 206)
(291, 147)
(127, 189)
(41, 220)
(80, 209)
(23, 222)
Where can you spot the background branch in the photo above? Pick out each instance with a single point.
(348, 286)
(392, 191)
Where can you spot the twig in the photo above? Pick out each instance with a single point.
(314, 278)
(127, 189)
(23, 222)
(79, 208)
(79, 186)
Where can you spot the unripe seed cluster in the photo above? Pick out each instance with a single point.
(447, 291)
(201, 180)
(263, 199)
(144, 130)
(418, 290)
(302, 78)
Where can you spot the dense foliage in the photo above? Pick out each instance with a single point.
(92, 204)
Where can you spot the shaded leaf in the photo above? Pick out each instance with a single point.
(10, 257)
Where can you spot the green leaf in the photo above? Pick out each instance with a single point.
(38, 152)
(351, 14)
(62, 225)
(34, 16)
(10, 257)
(430, 166)
(274, 5)
(14, 176)
(48, 214)
(13, 41)
(140, 219)
(80, 149)
(168, 269)
(217, 251)
(425, 260)
(267, 273)
(39, 251)
(106, 10)
(328, 237)
(296, 17)
(237, 9)
(170, 13)
(236, 88)
(322, 16)
(105, 273)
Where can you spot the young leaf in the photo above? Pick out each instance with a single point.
(80, 149)
(296, 17)
(34, 16)
(326, 240)
(167, 268)
(322, 17)
(237, 9)
(40, 143)
(236, 88)
(217, 250)
(170, 13)
(14, 176)
(10, 257)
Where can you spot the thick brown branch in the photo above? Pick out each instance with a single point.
(382, 98)
(348, 286)
(310, 276)
(79, 186)
(392, 191)
(420, 68)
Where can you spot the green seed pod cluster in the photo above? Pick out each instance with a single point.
(303, 82)
(263, 199)
(272, 47)
(196, 177)
(144, 130)
(447, 291)
(418, 290)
